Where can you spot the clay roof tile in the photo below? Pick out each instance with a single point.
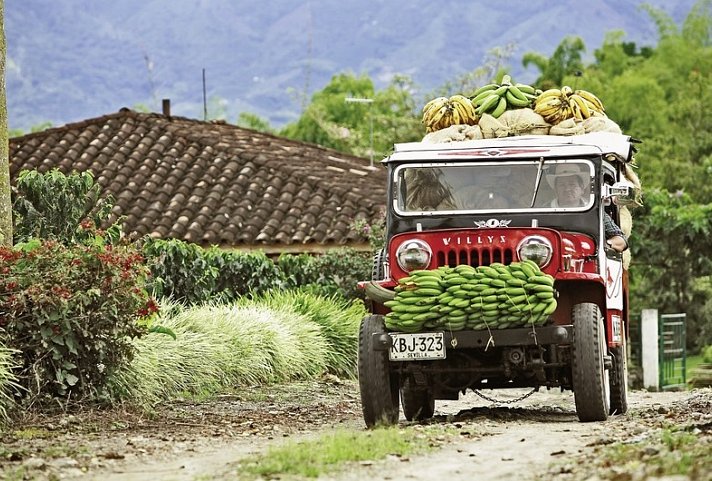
(203, 181)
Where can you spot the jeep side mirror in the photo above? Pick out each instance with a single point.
(622, 193)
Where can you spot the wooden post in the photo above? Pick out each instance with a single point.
(5, 199)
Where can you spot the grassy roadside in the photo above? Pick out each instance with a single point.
(337, 450)
(283, 337)
(7, 380)
(280, 337)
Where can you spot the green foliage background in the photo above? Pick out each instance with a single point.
(657, 93)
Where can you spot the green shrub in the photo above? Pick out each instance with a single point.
(52, 205)
(71, 312)
(339, 270)
(297, 269)
(189, 274)
(334, 273)
(243, 273)
(180, 271)
(707, 354)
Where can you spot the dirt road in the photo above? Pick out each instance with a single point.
(535, 438)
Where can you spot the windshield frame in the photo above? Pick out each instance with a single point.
(398, 201)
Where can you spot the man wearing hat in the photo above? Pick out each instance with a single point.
(569, 184)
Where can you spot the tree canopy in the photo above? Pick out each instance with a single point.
(657, 93)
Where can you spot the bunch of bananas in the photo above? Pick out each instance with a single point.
(557, 105)
(442, 112)
(494, 98)
(486, 297)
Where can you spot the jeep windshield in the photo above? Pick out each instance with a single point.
(470, 187)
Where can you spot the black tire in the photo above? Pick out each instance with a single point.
(590, 380)
(378, 270)
(418, 403)
(378, 385)
(619, 379)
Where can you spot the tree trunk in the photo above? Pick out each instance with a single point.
(5, 201)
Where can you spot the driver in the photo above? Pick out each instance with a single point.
(568, 183)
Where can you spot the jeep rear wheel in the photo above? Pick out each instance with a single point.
(590, 380)
(619, 379)
(378, 385)
(418, 402)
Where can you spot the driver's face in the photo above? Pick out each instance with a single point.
(568, 191)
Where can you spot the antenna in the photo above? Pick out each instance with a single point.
(205, 100)
(308, 66)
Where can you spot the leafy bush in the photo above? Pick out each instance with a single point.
(71, 312)
(375, 233)
(187, 273)
(339, 270)
(243, 273)
(334, 273)
(52, 205)
(297, 269)
(180, 271)
(707, 354)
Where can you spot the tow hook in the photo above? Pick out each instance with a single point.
(381, 341)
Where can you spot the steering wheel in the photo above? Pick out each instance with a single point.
(475, 197)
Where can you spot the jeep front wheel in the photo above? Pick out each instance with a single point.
(378, 385)
(590, 380)
(619, 379)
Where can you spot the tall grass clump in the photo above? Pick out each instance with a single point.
(338, 320)
(218, 347)
(8, 382)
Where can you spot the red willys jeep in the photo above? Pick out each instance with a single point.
(485, 282)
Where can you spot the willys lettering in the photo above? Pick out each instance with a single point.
(475, 240)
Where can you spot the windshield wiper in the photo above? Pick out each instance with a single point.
(538, 180)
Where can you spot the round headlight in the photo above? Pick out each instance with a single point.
(414, 254)
(535, 248)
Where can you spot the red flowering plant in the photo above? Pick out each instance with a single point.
(71, 312)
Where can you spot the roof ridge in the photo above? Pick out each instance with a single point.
(127, 112)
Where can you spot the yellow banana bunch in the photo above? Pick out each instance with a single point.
(557, 105)
(442, 112)
(594, 103)
(494, 98)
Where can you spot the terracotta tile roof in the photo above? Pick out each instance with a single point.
(212, 183)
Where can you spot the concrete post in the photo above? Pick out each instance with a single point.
(650, 349)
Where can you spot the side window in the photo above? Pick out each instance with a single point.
(609, 178)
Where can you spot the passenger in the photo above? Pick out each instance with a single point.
(569, 184)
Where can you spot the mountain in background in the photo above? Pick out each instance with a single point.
(70, 60)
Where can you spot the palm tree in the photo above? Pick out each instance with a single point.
(566, 60)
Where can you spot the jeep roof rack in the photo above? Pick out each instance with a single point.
(522, 146)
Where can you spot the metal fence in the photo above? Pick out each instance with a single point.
(672, 355)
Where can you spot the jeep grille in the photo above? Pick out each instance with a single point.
(473, 256)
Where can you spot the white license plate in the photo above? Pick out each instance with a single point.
(422, 346)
